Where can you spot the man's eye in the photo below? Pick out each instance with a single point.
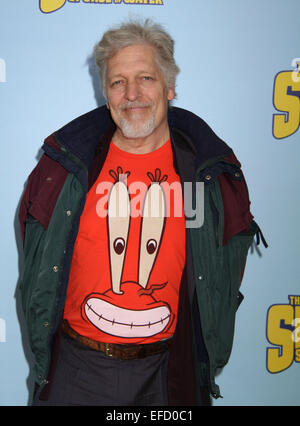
(116, 83)
(147, 78)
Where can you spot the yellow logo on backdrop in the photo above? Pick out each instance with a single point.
(48, 6)
(283, 331)
(286, 98)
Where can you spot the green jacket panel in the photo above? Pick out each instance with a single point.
(218, 272)
(40, 282)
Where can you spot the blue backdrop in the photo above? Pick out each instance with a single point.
(238, 65)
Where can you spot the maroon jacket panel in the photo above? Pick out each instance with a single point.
(237, 215)
(42, 190)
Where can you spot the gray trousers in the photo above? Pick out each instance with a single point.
(87, 377)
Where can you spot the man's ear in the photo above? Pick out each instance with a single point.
(171, 93)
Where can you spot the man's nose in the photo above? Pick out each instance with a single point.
(132, 90)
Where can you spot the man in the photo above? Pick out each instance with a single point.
(127, 303)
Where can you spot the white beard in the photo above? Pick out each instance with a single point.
(136, 128)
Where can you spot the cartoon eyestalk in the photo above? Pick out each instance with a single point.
(118, 219)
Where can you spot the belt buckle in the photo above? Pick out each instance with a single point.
(107, 350)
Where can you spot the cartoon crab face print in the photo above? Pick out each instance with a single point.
(129, 309)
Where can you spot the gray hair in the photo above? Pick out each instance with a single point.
(132, 33)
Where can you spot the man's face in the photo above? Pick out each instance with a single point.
(136, 92)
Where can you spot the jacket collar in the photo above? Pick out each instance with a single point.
(81, 136)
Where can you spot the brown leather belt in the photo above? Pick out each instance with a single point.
(124, 352)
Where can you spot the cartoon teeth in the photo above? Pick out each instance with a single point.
(127, 323)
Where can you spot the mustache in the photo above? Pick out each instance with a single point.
(135, 104)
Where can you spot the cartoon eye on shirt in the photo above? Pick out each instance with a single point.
(128, 309)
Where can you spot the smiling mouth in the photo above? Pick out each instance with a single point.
(127, 323)
(136, 110)
(135, 106)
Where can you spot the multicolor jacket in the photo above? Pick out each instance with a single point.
(49, 215)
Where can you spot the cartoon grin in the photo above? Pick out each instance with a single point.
(123, 322)
(112, 311)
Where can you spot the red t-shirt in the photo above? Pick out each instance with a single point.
(130, 251)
